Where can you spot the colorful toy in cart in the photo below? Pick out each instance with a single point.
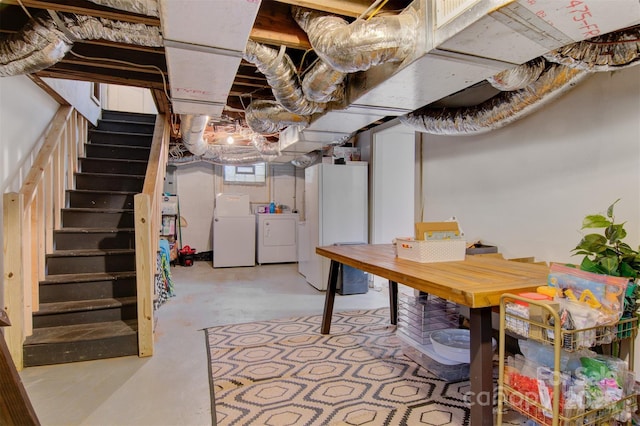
(605, 293)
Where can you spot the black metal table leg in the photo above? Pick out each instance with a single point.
(393, 301)
(332, 284)
(481, 374)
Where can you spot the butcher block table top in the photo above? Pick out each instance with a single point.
(476, 282)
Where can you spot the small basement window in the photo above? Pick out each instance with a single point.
(246, 174)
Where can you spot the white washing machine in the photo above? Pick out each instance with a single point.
(234, 237)
(277, 237)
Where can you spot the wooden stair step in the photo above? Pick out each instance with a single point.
(81, 342)
(74, 238)
(90, 261)
(58, 313)
(72, 230)
(83, 305)
(87, 277)
(138, 117)
(89, 198)
(97, 217)
(98, 150)
(87, 286)
(120, 138)
(126, 125)
(107, 181)
(90, 252)
(71, 333)
(116, 166)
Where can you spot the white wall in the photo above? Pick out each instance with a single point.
(25, 113)
(196, 194)
(526, 187)
(199, 182)
(392, 189)
(79, 94)
(129, 99)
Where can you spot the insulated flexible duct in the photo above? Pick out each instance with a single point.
(362, 44)
(281, 75)
(37, 46)
(307, 159)
(609, 52)
(193, 128)
(226, 156)
(142, 7)
(500, 110)
(41, 44)
(268, 117)
(235, 155)
(518, 77)
(323, 84)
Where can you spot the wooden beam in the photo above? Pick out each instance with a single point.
(108, 65)
(352, 8)
(276, 26)
(94, 77)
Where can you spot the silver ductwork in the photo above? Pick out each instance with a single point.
(226, 156)
(500, 110)
(518, 77)
(609, 52)
(307, 159)
(235, 155)
(193, 129)
(323, 84)
(269, 117)
(362, 44)
(571, 64)
(282, 77)
(142, 7)
(42, 43)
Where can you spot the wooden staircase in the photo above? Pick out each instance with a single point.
(88, 297)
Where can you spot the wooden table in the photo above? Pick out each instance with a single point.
(476, 282)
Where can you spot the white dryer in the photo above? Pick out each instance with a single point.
(277, 237)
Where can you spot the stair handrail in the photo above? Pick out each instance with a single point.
(147, 214)
(31, 215)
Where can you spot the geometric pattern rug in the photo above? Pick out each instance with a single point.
(284, 372)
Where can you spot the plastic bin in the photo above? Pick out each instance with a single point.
(424, 356)
(351, 280)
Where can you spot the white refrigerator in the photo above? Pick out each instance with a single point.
(336, 211)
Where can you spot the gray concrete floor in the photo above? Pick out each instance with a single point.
(172, 387)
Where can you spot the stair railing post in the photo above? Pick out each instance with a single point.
(145, 272)
(14, 335)
(147, 230)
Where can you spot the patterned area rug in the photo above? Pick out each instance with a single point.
(284, 372)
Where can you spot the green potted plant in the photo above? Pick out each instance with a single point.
(607, 253)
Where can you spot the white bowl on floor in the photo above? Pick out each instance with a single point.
(454, 344)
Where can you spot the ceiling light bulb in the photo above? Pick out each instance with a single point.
(230, 140)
